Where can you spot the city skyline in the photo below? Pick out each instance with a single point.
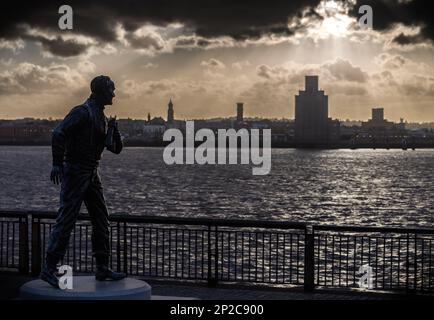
(168, 115)
(163, 114)
(206, 66)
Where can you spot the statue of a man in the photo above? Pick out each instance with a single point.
(77, 144)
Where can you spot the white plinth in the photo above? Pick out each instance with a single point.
(87, 288)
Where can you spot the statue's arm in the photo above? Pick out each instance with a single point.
(117, 145)
(73, 120)
(113, 139)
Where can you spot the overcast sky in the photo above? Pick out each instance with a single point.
(209, 55)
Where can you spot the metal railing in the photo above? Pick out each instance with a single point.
(401, 258)
(242, 251)
(14, 241)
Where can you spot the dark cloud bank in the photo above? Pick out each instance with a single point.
(415, 13)
(208, 18)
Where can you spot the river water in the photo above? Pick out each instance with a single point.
(351, 187)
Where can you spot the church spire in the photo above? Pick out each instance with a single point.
(170, 113)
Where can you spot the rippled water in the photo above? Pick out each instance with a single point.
(357, 187)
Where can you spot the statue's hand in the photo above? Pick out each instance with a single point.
(56, 174)
(112, 122)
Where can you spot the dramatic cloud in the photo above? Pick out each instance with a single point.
(147, 40)
(194, 41)
(389, 13)
(239, 65)
(404, 39)
(405, 76)
(28, 78)
(205, 23)
(213, 63)
(344, 70)
(61, 47)
(338, 70)
(134, 89)
(13, 45)
(149, 65)
(388, 61)
(208, 19)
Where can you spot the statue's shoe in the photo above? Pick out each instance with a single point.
(104, 273)
(49, 276)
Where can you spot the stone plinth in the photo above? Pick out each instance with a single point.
(87, 288)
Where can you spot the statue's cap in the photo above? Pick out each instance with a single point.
(98, 84)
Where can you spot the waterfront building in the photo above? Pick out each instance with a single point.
(313, 127)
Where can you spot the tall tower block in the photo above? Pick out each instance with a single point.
(311, 114)
(240, 108)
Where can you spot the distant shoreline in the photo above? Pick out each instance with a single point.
(274, 146)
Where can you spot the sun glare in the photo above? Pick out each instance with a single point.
(336, 22)
(335, 26)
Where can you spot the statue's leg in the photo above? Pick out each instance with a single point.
(74, 185)
(96, 206)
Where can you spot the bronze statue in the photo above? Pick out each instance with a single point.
(77, 144)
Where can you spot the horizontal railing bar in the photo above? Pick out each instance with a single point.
(209, 222)
(373, 229)
(222, 222)
(179, 221)
(13, 214)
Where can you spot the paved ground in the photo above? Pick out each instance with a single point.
(10, 284)
(205, 293)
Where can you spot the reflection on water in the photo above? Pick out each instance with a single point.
(365, 187)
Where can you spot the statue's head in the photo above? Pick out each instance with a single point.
(103, 89)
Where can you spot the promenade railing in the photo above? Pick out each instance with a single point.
(276, 253)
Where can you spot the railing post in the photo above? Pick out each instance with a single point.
(209, 255)
(212, 281)
(36, 246)
(24, 246)
(411, 289)
(309, 259)
(415, 263)
(118, 247)
(125, 253)
(407, 265)
(216, 257)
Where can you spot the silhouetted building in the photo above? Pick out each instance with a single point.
(170, 116)
(311, 114)
(240, 112)
(401, 124)
(25, 133)
(378, 123)
(153, 130)
(377, 114)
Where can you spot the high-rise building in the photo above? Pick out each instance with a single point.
(312, 123)
(378, 114)
(378, 122)
(240, 112)
(170, 115)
